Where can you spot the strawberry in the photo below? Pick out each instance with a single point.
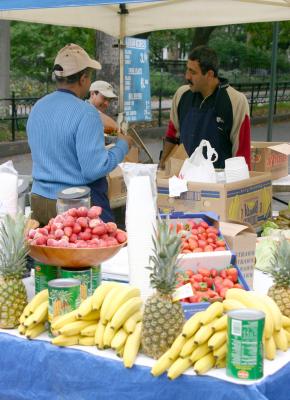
(228, 283)
(82, 211)
(208, 281)
(203, 272)
(213, 273)
(77, 228)
(232, 274)
(111, 227)
(121, 236)
(223, 273)
(73, 212)
(239, 286)
(68, 231)
(94, 212)
(189, 273)
(83, 221)
(69, 221)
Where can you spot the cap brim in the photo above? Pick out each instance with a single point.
(94, 64)
(109, 94)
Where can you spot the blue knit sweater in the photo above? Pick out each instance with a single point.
(66, 139)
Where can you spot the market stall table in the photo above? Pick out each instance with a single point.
(31, 370)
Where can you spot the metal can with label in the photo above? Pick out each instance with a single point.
(43, 273)
(245, 346)
(84, 275)
(96, 277)
(63, 297)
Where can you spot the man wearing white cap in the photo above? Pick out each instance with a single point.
(101, 94)
(66, 138)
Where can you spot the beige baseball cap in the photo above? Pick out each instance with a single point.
(105, 88)
(73, 58)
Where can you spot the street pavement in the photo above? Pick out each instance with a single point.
(281, 133)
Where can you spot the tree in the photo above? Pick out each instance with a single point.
(201, 36)
(107, 53)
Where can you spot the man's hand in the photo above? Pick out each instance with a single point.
(127, 138)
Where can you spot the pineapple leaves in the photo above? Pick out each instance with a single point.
(13, 247)
(163, 262)
(280, 270)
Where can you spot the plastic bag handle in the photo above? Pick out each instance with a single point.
(210, 150)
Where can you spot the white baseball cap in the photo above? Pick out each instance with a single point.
(105, 88)
(73, 58)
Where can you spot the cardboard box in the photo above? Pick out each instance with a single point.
(270, 157)
(117, 187)
(242, 241)
(178, 153)
(249, 200)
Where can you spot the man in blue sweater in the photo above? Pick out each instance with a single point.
(66, 138)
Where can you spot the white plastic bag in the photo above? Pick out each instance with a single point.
(9, 189)
(197, 168)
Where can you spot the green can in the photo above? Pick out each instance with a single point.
(245, 346)
(43, 273)
(84, 275)
(63, 296)
(96, 277)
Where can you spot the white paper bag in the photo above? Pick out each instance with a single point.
(197, 168)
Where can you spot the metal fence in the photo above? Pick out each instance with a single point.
(16, 109)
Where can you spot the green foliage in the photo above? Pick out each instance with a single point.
(165, 83)
(34, 47)
(170, 39)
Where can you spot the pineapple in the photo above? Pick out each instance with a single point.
(13, 253)
(280, 272)
(162, 319)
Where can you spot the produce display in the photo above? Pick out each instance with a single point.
(13, 258)
(110, 318)
(209, 285)
(199, 236)
(202, 342)
(114, 316)
(276, 226)
(78, 228)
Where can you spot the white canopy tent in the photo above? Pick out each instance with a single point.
(144, 16)
(126, 18)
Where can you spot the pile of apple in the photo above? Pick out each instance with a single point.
(199, 236)
(209, 285)
(78, 228)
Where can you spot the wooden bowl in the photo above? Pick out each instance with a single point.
(74, 258)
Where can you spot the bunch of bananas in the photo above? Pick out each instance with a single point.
(202, 343)
(277, 326)
(110, 318)
(203, 340)
(34, 316)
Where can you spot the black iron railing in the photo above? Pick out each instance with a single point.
(15, 109)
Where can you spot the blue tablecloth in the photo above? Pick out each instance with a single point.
(37, 370)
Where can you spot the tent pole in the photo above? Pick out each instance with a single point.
(123, 12)
(273, 79)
